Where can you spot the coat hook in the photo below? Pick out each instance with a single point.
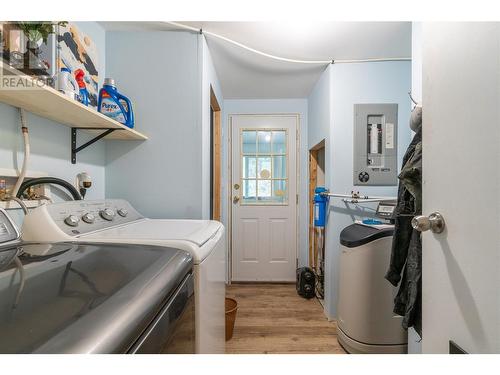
(411, 97)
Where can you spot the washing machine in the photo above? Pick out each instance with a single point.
(84, 298)
(116, 221)
(366, 322)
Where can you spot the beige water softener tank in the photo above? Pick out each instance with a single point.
(366, 323)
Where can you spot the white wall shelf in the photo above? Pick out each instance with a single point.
(47, 102)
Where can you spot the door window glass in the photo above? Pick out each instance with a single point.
(249, 190)
(264, 142)
(249, 142)
(264, 166)
(279, 167)
(279, 190)
(249, 167)
(279, 142)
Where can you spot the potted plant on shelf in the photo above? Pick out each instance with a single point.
(3, 44)
(37, 33)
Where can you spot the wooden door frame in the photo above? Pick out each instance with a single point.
(216, 167)
(313, 181)
(230, 184)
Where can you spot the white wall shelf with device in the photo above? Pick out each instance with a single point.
(23, 91)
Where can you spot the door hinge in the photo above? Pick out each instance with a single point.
(296, 199)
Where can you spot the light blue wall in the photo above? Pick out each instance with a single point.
(50, 142)
(274, 106)
(209, 79)
(161, 73)
(383, 82)
(319, 109)
(416, 61)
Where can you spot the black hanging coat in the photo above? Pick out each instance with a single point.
(406, 256)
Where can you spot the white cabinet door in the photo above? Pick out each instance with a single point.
(461, 171)
(264, 217)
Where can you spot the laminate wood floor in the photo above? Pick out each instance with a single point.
(272, 318)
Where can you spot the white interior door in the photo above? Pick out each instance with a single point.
(264, 190)
(461, 172)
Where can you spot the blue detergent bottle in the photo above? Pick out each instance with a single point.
(115, 105)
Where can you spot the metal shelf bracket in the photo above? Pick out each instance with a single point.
(75, 149)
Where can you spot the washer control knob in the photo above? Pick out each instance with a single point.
(107, 214)
(72, 220)
(122, 212)
(88, 218)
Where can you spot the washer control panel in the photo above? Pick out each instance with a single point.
(79, 217)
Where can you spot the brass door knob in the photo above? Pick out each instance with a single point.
(236, 199)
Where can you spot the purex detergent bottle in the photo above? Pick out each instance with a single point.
(115, 105)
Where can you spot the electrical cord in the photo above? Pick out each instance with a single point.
(280, 58)
(26, 141)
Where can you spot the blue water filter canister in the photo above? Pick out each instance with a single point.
(320, 206)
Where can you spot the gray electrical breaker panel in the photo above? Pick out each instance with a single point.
(375, 144)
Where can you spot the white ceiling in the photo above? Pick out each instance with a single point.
(246, 75)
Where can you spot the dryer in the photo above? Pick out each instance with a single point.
(116, 221)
